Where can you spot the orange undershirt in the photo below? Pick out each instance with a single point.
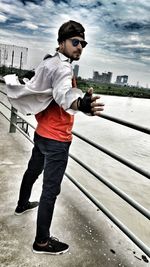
(55, 123)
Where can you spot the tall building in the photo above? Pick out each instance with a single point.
(76, 70)
(95, 75)
(122, 80)
(103, 78)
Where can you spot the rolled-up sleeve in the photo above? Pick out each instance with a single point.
(63, 92)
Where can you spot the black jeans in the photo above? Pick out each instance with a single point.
(51, 156)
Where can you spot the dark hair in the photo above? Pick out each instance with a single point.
(70, 29)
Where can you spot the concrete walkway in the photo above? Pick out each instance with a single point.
(94, 241)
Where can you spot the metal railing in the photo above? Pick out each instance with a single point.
(19, 123)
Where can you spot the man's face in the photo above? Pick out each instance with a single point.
(72, 48)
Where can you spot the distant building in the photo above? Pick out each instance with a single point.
(96, 75)
(102, 78)
(76, 70)
(13, 56)
(122, 80)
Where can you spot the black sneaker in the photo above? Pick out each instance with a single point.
(53, 247)
(29, 206)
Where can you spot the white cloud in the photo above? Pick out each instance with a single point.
(3, 18)
(28, 25)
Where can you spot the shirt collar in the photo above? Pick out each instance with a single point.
(63, 57)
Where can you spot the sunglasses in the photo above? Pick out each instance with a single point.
(75, 42)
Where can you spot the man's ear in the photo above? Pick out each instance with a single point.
(61, 45)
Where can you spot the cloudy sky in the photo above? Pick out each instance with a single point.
(117, 32)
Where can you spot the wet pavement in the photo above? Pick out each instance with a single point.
(94, 240)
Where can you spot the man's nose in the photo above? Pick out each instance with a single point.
(79, 46)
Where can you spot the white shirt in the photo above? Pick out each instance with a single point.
(52, 80)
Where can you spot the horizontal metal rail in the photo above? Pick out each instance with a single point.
(5, 105)
(114, 188)
(119, 121)
(4, 116)
(126, 123)
(18, 115)
(3, 92)
(115, 156)
(120, 225)
(18, 128)
(25, 120)
(118, 191)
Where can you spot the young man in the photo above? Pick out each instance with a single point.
(53, 133)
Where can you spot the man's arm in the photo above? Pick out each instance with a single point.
(73, 99)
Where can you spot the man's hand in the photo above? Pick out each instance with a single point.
(88, 103)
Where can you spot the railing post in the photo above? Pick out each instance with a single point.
(13, 120)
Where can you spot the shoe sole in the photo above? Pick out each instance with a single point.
(50, 253)
(18, 214)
